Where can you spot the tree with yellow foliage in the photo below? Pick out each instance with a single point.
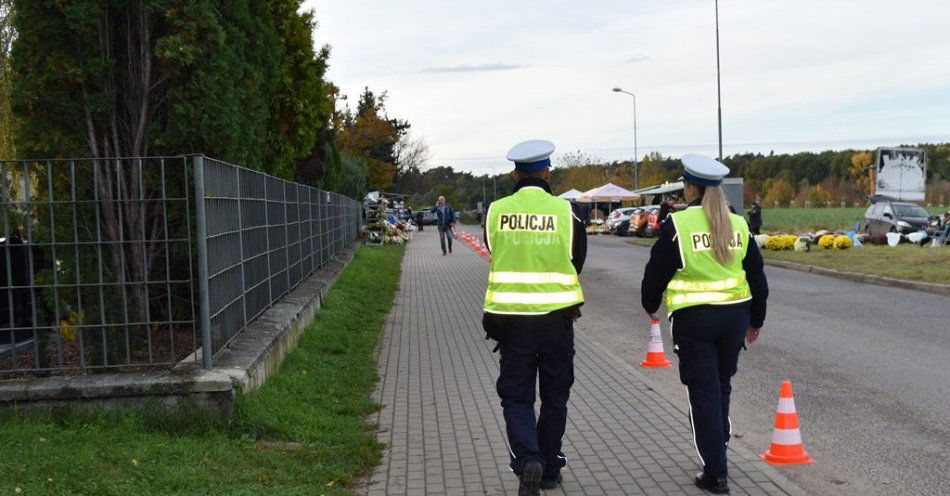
(858, 172)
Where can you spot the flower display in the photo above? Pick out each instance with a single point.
(827, 241)
(843, 243)
(781, 242)
(803, 244)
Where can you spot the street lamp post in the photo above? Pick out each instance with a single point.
(718, 85)
(636, 157)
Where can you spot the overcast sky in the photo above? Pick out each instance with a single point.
(473, 77)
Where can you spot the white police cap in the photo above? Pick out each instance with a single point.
(531, 154)
(703, 170)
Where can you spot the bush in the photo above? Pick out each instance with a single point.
(843, 243)
(827, 241)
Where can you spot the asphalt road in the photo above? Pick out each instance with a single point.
(870, 367)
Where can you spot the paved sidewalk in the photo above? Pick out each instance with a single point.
(441, 419)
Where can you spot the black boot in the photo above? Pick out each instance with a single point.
(550, 483)
(718, 485)
(531, 479)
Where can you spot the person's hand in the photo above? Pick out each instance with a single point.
(752, 334)
(654, 316)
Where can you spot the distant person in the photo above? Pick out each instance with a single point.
(444, 220)
(419, 219)
(755, 218)
(665, 209)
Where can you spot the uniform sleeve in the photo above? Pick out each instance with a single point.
(579, 247)
(663, 264)
(755, 273)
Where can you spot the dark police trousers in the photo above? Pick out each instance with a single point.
(707, 339)
(539, 347)
(445, 232)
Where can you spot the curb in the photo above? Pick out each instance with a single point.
(929, 287)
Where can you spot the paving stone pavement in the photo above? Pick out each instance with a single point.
(441, 419)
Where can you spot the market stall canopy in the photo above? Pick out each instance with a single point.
(607, 193)
(664, 188)
(570, 195)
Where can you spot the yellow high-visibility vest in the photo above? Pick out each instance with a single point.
(703, 280)
(530, 235)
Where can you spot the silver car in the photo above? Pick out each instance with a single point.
(617, 216)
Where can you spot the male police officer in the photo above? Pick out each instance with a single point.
(538, 247)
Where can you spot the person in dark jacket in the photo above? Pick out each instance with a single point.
(665, 208)
(419, 220)
(755, 218)
(444, 220)
(711, 271)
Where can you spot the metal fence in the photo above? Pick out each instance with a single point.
(263, 236)
(139, 262)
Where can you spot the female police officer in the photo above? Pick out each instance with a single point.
(712, 272)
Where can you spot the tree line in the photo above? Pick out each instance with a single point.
(821, 179)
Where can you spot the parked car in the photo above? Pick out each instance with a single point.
(429, 218)
(887, 215)
(617, 216)
(401, 214)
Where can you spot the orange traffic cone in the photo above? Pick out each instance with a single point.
(655, 356)
(787, 447)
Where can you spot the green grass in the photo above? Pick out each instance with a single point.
(303, 432)
(813, 219)
(905, 261)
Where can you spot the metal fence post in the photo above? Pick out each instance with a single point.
(203, 291)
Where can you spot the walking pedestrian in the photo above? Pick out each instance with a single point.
(444, 220)
(419, 220)
(538, 246)
(755, 218)
(712, 272)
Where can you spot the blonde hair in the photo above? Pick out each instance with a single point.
(720, 225)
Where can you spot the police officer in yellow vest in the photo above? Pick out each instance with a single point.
(712, 272)
(538, 246)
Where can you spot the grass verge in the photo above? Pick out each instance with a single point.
(795, 220)
(303, 432)
(905, 261)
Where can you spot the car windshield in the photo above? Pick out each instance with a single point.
(909, 211)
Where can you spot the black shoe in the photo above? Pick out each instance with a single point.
(718, 485)
(530, 479)
(550, 483)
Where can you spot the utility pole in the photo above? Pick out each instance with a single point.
(718, 84)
